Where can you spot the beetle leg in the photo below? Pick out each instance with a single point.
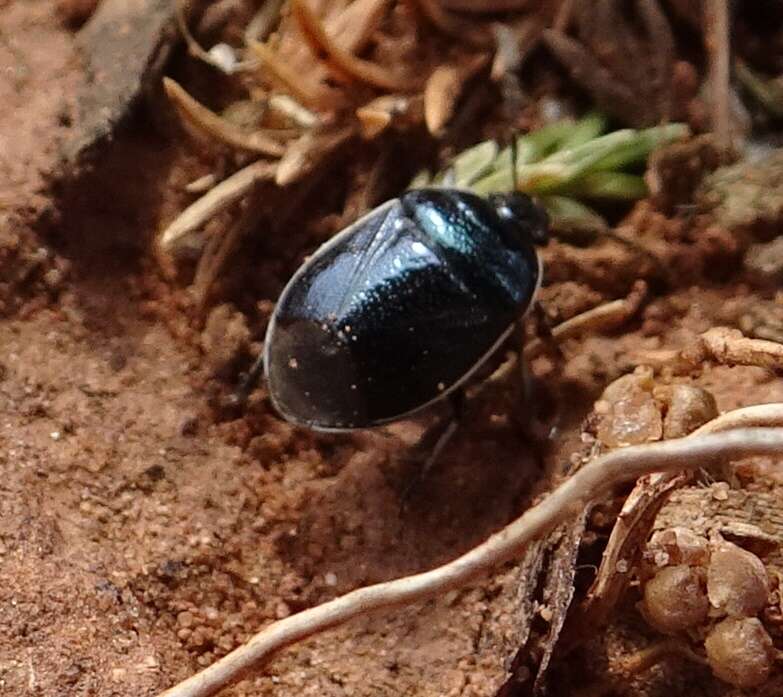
(249, 380)
(540, 408)
(543, 328)
(434, 441)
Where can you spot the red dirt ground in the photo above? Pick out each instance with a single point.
(140, 538)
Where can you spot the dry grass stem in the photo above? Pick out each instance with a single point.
(717, 38)
(595, 479)
(203, 119)
(300, 86)
(217, 199)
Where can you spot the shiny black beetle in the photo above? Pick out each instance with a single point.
(399, 309)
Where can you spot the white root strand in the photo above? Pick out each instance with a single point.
(758, 415)
(593, 480)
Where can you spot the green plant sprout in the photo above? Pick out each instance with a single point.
(562, 163)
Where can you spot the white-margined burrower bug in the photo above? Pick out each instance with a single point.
(399, 309)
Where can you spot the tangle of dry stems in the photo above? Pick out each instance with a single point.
(308, 84)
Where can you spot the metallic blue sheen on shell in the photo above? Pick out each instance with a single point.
(398, 309)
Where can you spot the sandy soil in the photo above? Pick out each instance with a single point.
(144, 533)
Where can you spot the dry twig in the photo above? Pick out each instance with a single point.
(595, 479)
(721, 345)
(729, 347)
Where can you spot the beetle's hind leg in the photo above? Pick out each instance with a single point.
(434, 441)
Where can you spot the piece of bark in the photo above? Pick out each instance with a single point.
(125, 47)
(545, 582)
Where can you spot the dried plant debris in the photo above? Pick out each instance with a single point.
(625, 63)
(675, 170)
(746, 197)
(319, 75)
(563, 163)
(306, 68)
(714, 594)
(691, 577)
(546, 589)
(635, 409)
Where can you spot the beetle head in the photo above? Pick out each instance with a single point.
(524, 220)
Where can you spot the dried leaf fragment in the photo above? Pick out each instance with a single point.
(343, 64)
(305, 154)
(197, 115)
(443, 89)
(214, 201)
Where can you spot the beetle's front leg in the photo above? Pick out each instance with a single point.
(538, 399)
